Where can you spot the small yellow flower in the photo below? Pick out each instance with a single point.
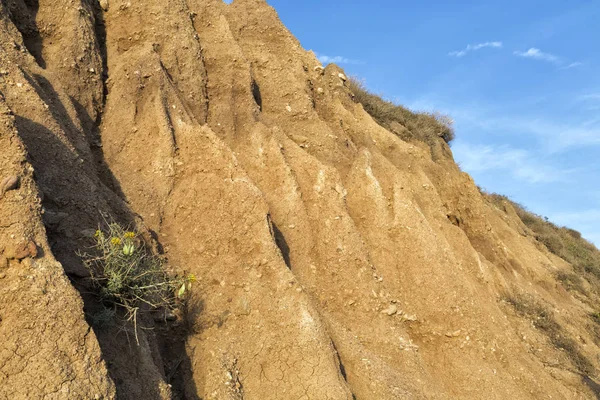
(115, 241)
(129, 235)
(98, 233)
(191, 278)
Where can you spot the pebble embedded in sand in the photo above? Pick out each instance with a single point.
(391, 310)
(22, 250)
(8, 183)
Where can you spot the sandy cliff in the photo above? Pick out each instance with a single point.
(334, 260)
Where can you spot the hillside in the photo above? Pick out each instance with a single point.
(337, 253)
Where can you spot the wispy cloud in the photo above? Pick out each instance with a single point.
(590, 101)
(325, 59)
(590, 97)
(553, 135)
(518, 162)
(537, 54)
(559, 137)
(474, 47)
(572, 65)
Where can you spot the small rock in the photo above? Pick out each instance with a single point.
(408, 345)
(342, 77)
(298, 138)
(8, 183)
(104, 4)
(391, 310)
(319, 68)
(320, 90)
(409, 317)
(288, 108)
(453, 334)
(21, 251)
(171, 317)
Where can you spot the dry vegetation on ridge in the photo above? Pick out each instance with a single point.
(424, 126)
(564, 242)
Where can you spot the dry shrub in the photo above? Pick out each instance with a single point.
(423, 126)
(571, 281)
(543, 319)
(569, 245)
(563, 242)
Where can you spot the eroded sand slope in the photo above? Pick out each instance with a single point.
(334, 259)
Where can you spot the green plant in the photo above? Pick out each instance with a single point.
(423, 126)
(130, 277)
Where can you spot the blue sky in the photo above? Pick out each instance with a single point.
(519, 78)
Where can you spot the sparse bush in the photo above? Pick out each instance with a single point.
(543, 319)
(571, 281)
(423, 126)
(563, 242)
(129, 277)
(552, 241)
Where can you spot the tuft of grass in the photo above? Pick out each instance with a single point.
(129, 277)
(571, 281)
(543, 319)
(423, 126)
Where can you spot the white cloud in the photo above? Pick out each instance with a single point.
(518, 162)
(538, 55)
(590, 97)
(559, 137)
(325, 59)
(555, 136)
(572, 65)
(474, 47)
